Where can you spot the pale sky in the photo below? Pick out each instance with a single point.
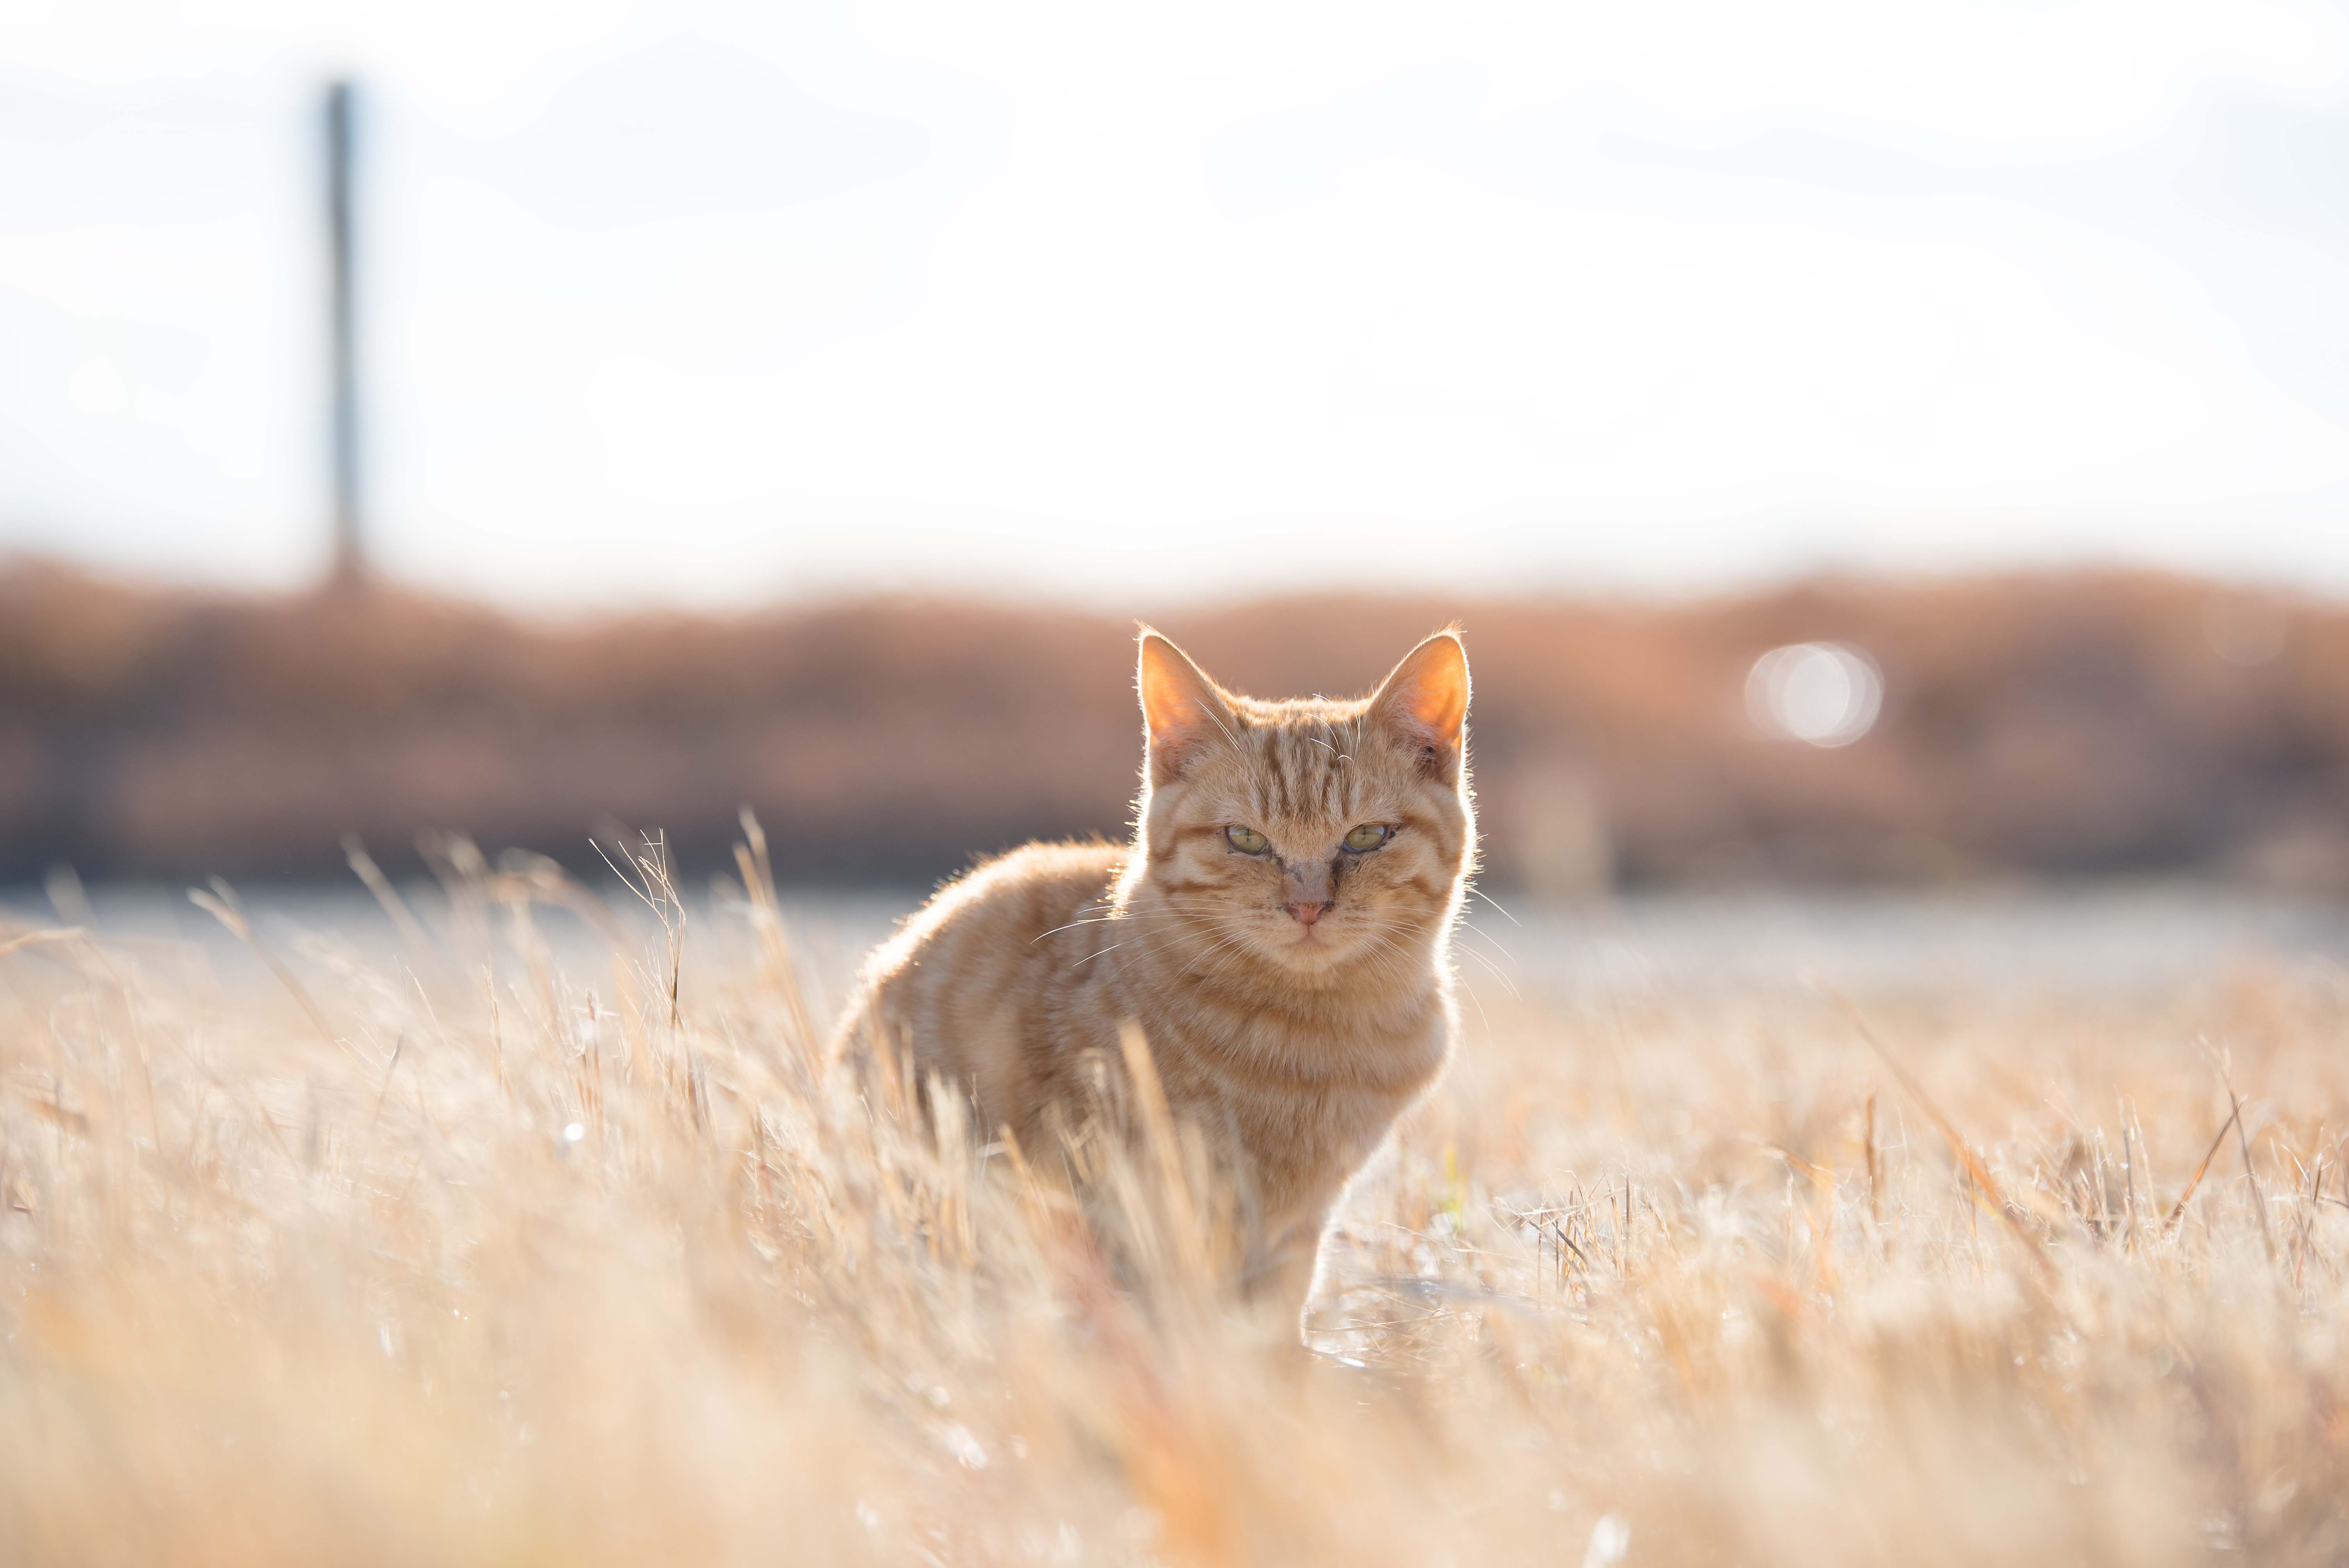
(711, 303)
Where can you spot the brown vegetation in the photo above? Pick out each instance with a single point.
(2074, 722)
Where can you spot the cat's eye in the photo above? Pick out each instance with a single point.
(1247, 840)
(1368, 837)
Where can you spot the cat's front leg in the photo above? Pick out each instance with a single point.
(1280, 1282)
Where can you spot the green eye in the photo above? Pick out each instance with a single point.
(1247, 840)
(1368, 837)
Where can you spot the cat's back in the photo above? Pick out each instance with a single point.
(993, 963)
(1005, 905)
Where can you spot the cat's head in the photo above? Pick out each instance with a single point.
(1313, 834)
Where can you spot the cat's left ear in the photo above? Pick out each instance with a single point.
(1424, 703)
(1181, 708)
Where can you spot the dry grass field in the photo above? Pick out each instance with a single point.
(541, 1237)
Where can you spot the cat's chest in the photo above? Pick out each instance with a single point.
(1308, 1096)
(1395, 1051)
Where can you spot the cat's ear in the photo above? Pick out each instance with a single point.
(1181, 708)
(1424, 703)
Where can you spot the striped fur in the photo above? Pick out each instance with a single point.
(1293, 1046)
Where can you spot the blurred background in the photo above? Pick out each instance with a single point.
(1869, 444)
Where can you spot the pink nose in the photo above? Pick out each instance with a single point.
(1307, 914)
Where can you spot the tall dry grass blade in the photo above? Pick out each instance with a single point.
(524, 879)
(457, 864)
(2128, 1185)
(2250, 1173)
(1163, 1148)
(42, 939)
(757, 871)
(1874, 1166)
(497, 1035)
(2194, 1180)
(2307, 1225)
(655, 884)
(221, 904)
(384, 1088)
(1985, 1186)
(411, 931)
(68, 897)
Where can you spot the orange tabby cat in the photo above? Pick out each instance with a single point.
(1278, 929)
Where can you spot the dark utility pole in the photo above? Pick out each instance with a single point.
(350, 554)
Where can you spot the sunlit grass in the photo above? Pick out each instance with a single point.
(459, 1250)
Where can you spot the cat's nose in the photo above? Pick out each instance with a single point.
(1306, 911)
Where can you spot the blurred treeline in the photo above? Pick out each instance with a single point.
(2063, 724)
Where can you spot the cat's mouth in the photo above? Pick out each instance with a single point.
(1313, 943)
(1314, 937)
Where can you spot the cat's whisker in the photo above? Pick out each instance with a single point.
(1095, 909)
(1488, 898)
(1111, 949)
(1477, 1002)
(1164, 942)
(1470, 925)
(1237, 943)
(1121, 918)
(1494, 969)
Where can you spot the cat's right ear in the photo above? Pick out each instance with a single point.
(1425, 701)
(1181, 708)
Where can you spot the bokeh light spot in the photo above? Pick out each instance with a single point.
(1823, 694)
